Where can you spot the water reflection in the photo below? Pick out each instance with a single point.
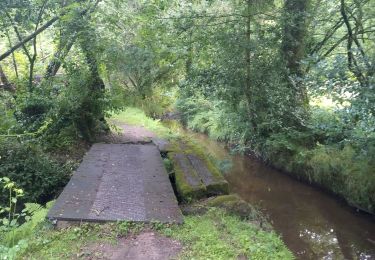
(313, 224)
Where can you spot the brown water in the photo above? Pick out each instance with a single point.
(313, 224)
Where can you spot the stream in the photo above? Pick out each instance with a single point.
(312, 223)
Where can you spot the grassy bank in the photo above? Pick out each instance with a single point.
(338, 156)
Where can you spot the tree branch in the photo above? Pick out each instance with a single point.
(30, 37)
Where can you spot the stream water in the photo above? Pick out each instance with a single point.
(313, 224)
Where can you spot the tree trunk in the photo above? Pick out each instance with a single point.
(248, 51)
(248, 91)
(91, 8)
(189, 60)
(6, 85)
(55, 64)
(28, 38)
(293, 44)
(88, 46)
(352, 60)
(89, 119)
(13, 56)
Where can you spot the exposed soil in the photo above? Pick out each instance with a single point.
(146, 246)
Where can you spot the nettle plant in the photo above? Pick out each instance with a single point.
(10, 216)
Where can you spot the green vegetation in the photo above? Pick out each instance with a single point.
(135, 116)
(213, 235)
(27, 165)
(229, 227)
(233, 204)
(217, 235)
(344, 167)
(290, 81)
(274, 78)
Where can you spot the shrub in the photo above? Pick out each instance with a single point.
(16, 226)
(32, 170)
(7, 121)
(346, 172)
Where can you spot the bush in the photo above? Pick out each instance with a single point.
(32, 110)
(346, 172)
(7, 121)
(78, 110)
(214, 119)
(32, 170)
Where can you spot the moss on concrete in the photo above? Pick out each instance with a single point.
(217, 186)
(187, 192)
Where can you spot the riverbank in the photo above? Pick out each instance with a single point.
(325, 152)
(214, 233)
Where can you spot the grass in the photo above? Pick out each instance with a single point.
(37, 239)
(135, 116)
(219, 235)
(214, 235)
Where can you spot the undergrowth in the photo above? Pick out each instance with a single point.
(33, 170)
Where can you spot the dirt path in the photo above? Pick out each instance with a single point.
(146, 246)
(128, 134)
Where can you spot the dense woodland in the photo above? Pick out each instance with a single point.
(288, 81)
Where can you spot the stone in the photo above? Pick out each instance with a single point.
(189, 185)
(210, 176)
(119, 182)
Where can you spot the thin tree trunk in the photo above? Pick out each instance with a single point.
(189, 60)
(58, 57)
(248, 85)
(42, 28)
(6, 85)
(352, 61)
(65, 48)
(248, 51)
(15, 66)
(293, 44)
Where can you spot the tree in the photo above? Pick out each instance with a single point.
(5, 84)
(293, 44)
